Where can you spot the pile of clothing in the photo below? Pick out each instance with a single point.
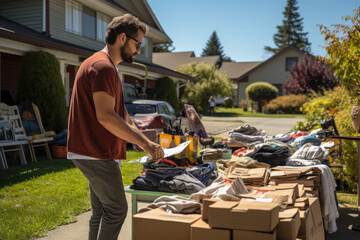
(176, 180)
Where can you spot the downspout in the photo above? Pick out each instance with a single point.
(138, 76)
(46, 18)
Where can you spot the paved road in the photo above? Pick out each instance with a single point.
(220, 126)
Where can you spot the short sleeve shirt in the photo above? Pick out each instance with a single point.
(86, 136)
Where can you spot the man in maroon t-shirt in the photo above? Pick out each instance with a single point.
(99, 126)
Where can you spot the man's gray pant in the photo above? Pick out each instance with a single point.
(108, 201)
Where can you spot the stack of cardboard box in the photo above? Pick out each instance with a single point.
(308, 176)
(251, 176)
(261, 214)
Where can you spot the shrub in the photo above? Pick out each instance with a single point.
(348, 148)
(229, 103)
(40, 82)
(260, 92)
(310, 75)
(287, 104)
(168, 92)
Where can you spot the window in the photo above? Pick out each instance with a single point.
(144, 47)
(85, 21)
(73, 17)
(89, 23)
(290, 61)
(102, 23)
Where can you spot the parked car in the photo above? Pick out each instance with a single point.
(151, 114)
(219, 101)
(130, 93)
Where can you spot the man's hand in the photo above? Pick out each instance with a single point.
(154, 150)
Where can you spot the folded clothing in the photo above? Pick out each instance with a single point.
(310, 152)
(211, 154)
(245, 139)
(247, 129)
(272, 156)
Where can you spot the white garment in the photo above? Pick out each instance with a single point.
(71, 155)
(329, 208)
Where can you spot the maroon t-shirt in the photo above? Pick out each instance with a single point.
(86, 136)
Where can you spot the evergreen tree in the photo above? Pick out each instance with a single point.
(213, 47)
(290, 33)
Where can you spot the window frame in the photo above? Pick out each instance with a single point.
(288, 59)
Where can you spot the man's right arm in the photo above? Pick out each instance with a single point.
(109, 119)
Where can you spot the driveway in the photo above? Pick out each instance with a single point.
(220, 126)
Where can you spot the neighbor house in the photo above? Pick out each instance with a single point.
(72, 31)
(274, 70)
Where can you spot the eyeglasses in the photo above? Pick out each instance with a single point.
(137, 41)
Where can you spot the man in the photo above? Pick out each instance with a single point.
(99, 126)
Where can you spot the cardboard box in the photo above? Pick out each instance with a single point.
(252, 235)
(311, 227)
(201, 230)
(260, 214)
(205, 208)
(271, 191)
(157, 224)
(289, 224)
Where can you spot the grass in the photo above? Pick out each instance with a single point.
(239, 121)
(239, 112)
(41, 196)
(347, 199)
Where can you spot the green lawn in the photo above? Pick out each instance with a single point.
(41, 196)
(239, 112)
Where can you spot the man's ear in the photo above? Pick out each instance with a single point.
(121, 38)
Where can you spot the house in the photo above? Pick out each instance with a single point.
(274, 70)
(58, 27)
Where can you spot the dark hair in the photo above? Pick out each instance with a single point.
(125, 24)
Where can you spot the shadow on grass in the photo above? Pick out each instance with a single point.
(19, 174)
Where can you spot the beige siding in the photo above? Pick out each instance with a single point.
(272, 72)
(25, 12)
(57, 28)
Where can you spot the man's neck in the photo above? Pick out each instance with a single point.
(114, 56)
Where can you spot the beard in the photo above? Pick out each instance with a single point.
(126, 56)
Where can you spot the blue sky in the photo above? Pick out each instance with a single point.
(244, 27)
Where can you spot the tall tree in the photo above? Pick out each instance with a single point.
(290, 33)
(167, 47)
(213, 47)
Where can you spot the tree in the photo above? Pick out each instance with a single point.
(343, 49)
(167, 47)
(168, 92)
(290, 33)
(310, 75)
(210, 83)
(40, 82)
(213, 48)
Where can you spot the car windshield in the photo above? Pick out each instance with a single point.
(140, 108)
(130, 94)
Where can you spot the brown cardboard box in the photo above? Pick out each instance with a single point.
(260, 214)
(270, 191)
(205, 208)
(252, 235)
(289, 224)
(311, 226)
(157, 224)
(201, 230)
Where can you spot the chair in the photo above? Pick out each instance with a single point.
(37, 140)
